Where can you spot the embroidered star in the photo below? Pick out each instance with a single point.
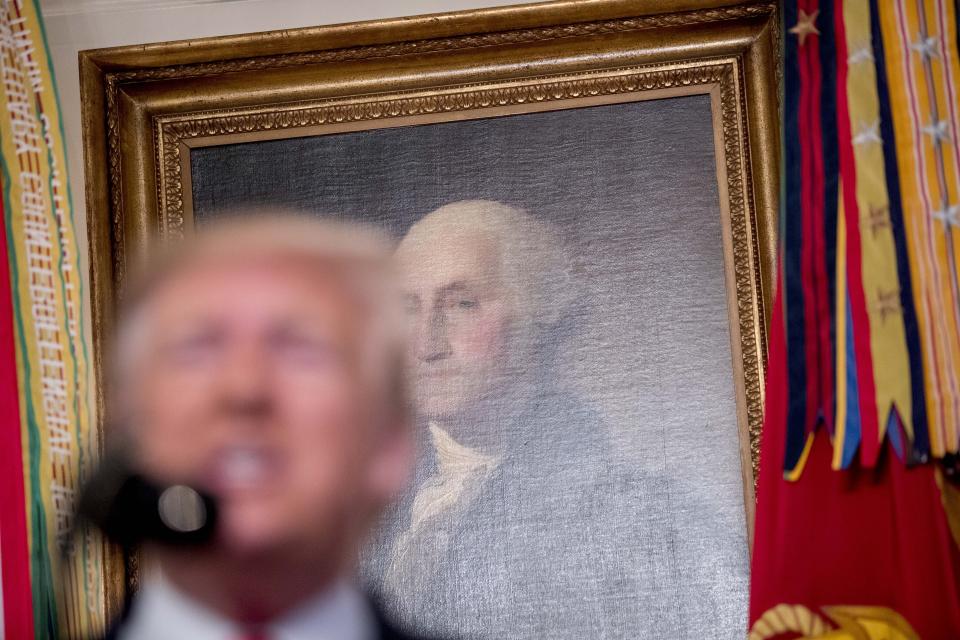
(938, 131)
(877, 218)
(888, 303)
(949, 216)
(926, 47)
(806, 25)
(868, 134)
(863, 54)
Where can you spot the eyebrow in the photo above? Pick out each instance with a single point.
(454, 287)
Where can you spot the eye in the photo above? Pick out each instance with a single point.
(194, 348)
(466, 303)
(303, 350)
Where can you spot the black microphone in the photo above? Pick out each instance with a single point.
(130, 508)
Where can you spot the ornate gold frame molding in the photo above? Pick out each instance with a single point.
(145, 107)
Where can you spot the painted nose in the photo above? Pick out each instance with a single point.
(434, 342)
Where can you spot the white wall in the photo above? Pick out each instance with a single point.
(75, 25)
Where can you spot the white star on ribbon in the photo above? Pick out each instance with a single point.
(868, 134)
(863, 54)
(806, 26)
(926, 47)
(949, 216)
(938, 131)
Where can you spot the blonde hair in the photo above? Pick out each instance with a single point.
(356, 256)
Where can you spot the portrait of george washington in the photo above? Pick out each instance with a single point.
(564, 302)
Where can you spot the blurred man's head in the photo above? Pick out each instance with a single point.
(261, 360)
(482, 281)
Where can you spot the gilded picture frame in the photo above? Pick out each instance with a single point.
(146, 108)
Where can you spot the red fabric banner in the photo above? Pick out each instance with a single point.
(14, 550)
(862, 538)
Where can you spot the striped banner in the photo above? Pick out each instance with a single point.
(920, 41)
(858, 516)
(871, 231)
(52, 365)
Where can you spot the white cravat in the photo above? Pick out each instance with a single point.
(161, 611)
(460, 475)
(460, 472)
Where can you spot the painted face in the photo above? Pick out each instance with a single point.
(251, 384)
(461, 318)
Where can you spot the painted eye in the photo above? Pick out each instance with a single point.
(466, 304)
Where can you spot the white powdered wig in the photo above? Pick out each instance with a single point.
(534, 264)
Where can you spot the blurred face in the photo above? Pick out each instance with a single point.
(461, 320)
(251, 384)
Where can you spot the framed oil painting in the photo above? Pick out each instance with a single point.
(583, 201)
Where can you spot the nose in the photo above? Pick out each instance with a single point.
(245, 384)
(434, 344)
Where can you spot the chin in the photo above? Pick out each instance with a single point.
(437, 408)
(247, 531)
(447, 406)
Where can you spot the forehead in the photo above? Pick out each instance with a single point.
(251, 288)
(436, 259)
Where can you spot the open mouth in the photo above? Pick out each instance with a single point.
(242, 468)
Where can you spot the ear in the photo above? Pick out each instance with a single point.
(392, 462)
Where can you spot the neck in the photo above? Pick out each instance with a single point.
(248, 589)
(455, 455)
(472, 434)
(490, 425)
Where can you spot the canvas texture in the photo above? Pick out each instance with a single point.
(579, 471)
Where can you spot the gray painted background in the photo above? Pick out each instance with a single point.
(631, 189)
